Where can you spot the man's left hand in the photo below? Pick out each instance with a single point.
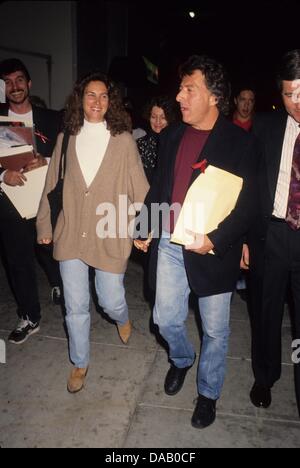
(201, 245)
(38, 161)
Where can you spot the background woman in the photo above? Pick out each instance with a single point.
(159, 112)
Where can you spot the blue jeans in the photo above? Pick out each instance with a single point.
(111, 296)
(171, 311)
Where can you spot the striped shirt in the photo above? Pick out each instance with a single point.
(283, 183)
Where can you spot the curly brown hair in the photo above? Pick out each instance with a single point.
(166, 104)
(117, 119)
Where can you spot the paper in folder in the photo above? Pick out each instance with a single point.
(26, 199)
(210, 199)
(16, 145)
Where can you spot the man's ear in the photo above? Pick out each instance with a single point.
(29, 84)
(235, 101)
(213, 100)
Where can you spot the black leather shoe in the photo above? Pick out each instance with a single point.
(205, 412)
(261, 396)
(175, 379)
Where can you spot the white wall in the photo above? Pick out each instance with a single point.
(46, 28)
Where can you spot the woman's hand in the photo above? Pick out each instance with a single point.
(45, 241)
(142, 245)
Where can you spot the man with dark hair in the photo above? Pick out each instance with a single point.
(18, 235)
(244, 101)
(274, 239)
(14, 65)
(204, 134)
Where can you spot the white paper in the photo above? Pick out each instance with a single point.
(2, 91)
(5, 118)
(26, 199)
(6, 152)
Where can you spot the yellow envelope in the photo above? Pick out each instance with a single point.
(209, 200)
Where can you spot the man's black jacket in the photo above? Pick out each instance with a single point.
(269, 129)
(234, 150)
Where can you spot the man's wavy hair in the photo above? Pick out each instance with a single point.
(216, 78)
(117, 119)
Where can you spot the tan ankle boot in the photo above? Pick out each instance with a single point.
(76, 379)
(125, 331)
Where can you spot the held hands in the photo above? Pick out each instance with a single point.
(38, 161)
(143, 245)
(201, 245)
(245, 260)
(46, 241)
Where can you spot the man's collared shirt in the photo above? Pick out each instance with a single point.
(283, 183)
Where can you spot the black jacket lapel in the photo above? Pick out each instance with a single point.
(4, 109)
(274, 144)
(210, 147)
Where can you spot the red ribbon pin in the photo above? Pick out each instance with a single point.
(202, 165)
(41, 136)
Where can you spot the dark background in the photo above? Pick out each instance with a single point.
(247, 37)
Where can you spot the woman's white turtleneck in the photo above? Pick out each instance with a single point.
(91, 144)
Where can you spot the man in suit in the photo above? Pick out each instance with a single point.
(204, 134)
(274, 240)
(18, 235)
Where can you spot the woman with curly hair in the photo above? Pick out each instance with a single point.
(159, 112)
(102, 164)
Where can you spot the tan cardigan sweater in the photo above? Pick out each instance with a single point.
(75, 237)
